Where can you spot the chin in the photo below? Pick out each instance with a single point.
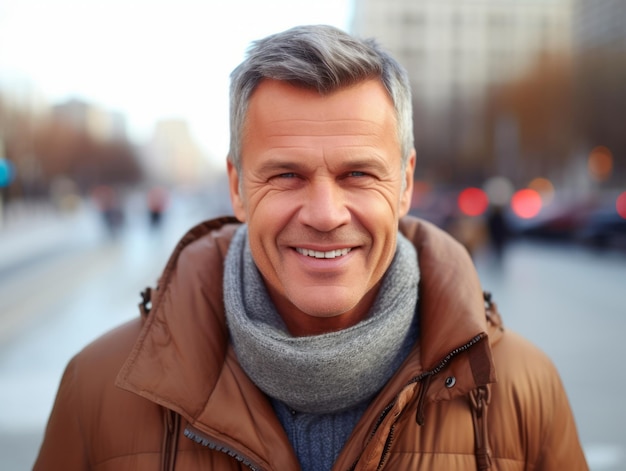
(326, 310)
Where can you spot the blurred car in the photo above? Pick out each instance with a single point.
(560, 221)
(603, 228)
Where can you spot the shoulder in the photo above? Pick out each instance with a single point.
(530, 407)
(527, 378)
(528, 385)
(517, 357)
(92, 420)
(96, 366)
(90, 385)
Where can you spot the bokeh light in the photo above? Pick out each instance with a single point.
(526, 203)
(499, 190)
(473, 201)
(620, 204)
(6, 172)
(600, 163)
(544, 187)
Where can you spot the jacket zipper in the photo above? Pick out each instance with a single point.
(195, 435)
(443, 363)
(437, 369)
(387, 446)
(198, 437)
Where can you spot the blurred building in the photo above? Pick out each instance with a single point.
(173, 157)
(98, 123)
(456, 53)
(458, 48)
(598, 25)
(599, 49)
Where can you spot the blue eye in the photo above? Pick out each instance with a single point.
(357, 174)
(287, 175)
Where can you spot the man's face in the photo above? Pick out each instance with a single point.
(321, 191)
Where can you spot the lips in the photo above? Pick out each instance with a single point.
(319, 254)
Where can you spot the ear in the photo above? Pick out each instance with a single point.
(407, 194)
(236, 198)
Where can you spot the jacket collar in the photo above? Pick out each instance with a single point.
(452, 309)
(182, 359)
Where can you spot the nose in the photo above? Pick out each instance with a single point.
(324, 208)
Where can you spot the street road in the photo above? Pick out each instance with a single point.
(569, 301)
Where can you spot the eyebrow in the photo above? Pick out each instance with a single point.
(372, 162)
(282, 164)
(290, 164)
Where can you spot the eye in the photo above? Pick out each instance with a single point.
(359, 178)
(360, 175)
(286, 180)
(357, 173)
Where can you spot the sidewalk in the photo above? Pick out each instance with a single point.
(34, 244)
(30, 234)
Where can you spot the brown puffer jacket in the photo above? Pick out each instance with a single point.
(165, 391)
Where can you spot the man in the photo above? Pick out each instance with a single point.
(329, 330)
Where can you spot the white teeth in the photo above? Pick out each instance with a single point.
(318, 254)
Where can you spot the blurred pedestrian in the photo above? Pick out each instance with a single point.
(157, 203)
(323, 328)
(108, 203)
(498, 228)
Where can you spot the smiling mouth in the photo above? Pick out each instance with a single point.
(318, 254)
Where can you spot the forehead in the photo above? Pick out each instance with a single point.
(286, 99)
(280, 114)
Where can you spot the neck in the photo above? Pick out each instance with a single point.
(301, 324)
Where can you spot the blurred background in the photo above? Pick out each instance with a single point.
(114, 131)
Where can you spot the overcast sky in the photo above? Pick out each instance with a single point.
(148, 59)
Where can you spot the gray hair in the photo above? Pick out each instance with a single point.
(324, 58)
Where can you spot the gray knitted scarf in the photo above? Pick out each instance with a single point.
(321, 373)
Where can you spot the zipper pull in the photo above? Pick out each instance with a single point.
(479, 400)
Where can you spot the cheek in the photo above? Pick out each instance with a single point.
(269, 209)
(265, 254)
(379, 218)
(377, 209)
(267, 218)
